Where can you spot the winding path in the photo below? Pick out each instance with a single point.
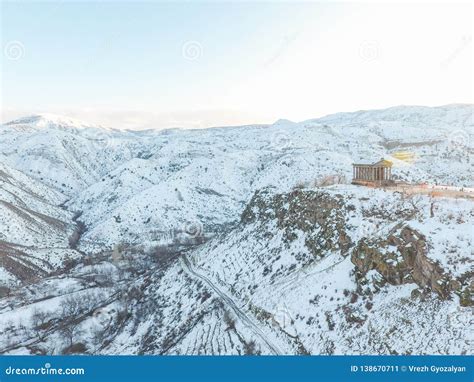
(247, 321)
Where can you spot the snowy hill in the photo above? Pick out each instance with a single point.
(49, 121)
(34, 230)
(208, 175)
(233, 238)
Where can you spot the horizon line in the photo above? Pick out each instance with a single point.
(88, 124)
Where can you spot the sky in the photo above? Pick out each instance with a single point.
(129, 64)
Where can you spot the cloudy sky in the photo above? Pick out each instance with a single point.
(193, 64)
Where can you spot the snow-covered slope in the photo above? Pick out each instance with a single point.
(297, 262)
(131, 184)
(290, 278)
(280, 261)
(34, 231)
(65, 154)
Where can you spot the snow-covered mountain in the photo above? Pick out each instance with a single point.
(34, 230)
(114, 177)
(276, 240)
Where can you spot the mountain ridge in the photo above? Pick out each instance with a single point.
(65, 120)
(236, 240)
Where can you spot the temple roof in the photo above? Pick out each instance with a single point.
(381, 163)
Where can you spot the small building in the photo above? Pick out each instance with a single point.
(379, 172)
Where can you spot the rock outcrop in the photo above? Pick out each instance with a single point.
(402, 258)
(320, 215)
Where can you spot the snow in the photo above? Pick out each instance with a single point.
(147, 188)
(120, 173)
(450, 234)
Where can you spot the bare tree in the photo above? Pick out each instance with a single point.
(71, 306)
(250, 348)
(39, 321)
(432, 207)
(229, 321)
(70, 332)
